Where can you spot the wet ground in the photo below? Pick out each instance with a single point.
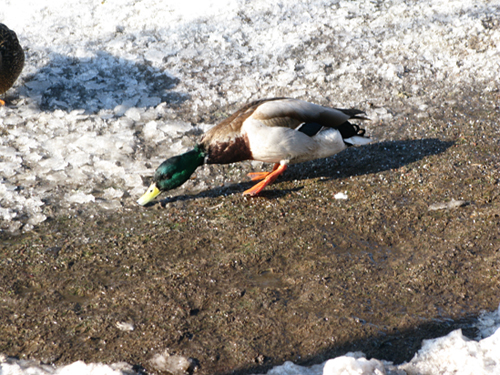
(241, 284)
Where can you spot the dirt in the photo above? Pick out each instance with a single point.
(242, 284)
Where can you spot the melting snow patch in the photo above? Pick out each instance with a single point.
(456, 354)
(447, 205)
(290, 368)
(355, 364)
(9, 366)
(80, 197)
(341, 196)
(112, 193)
(488, 323)
(173, 364)
(125, 326)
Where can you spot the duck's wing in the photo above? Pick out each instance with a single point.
(282, 112)
(230, 127)
(227, 143)
(292, 113)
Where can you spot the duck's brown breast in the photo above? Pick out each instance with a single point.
(228, 151)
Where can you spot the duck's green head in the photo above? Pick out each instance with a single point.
(173, 173)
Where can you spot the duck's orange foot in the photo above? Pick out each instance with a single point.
(267, 179)
(257, 176)
(2, 102)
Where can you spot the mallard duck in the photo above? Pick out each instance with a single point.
(279, 130)
(11, 59)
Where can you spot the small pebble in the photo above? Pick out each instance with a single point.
(446, 205)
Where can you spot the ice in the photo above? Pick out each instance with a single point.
(455, 354)
(78, 158)
(26, 367)
(37, 218)
(112, 193)
(56, 163)
(125, 326)
(133, 181)
(133, 114)
(290, 368)
(172, 364)
(150, 131)
(488, 323)
(109, 168)
(341, 195)
(13, 120)
(120, 110)
(350, 365)
(447, 205)
(176, 128)
(7, 214)
(80, 197)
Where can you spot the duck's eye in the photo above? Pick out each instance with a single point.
(168, 176)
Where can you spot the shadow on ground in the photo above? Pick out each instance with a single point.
(378, 157)
(102, 82)
(397, 348)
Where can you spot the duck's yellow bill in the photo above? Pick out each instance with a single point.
(149, 195)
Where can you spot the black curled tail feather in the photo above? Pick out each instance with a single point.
(348, 130)
(354, 113)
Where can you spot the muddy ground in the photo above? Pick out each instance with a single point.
(241, 284)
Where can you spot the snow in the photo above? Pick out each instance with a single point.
(23, 367)
(350, 365)
(172, 364)
(455, 354)
(341, 195)
(95, 108)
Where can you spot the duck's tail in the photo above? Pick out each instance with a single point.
(357, 141)
(352, 134)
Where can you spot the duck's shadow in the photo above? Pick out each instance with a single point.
(357, 161)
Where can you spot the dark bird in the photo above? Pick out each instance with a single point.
(11, 59)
